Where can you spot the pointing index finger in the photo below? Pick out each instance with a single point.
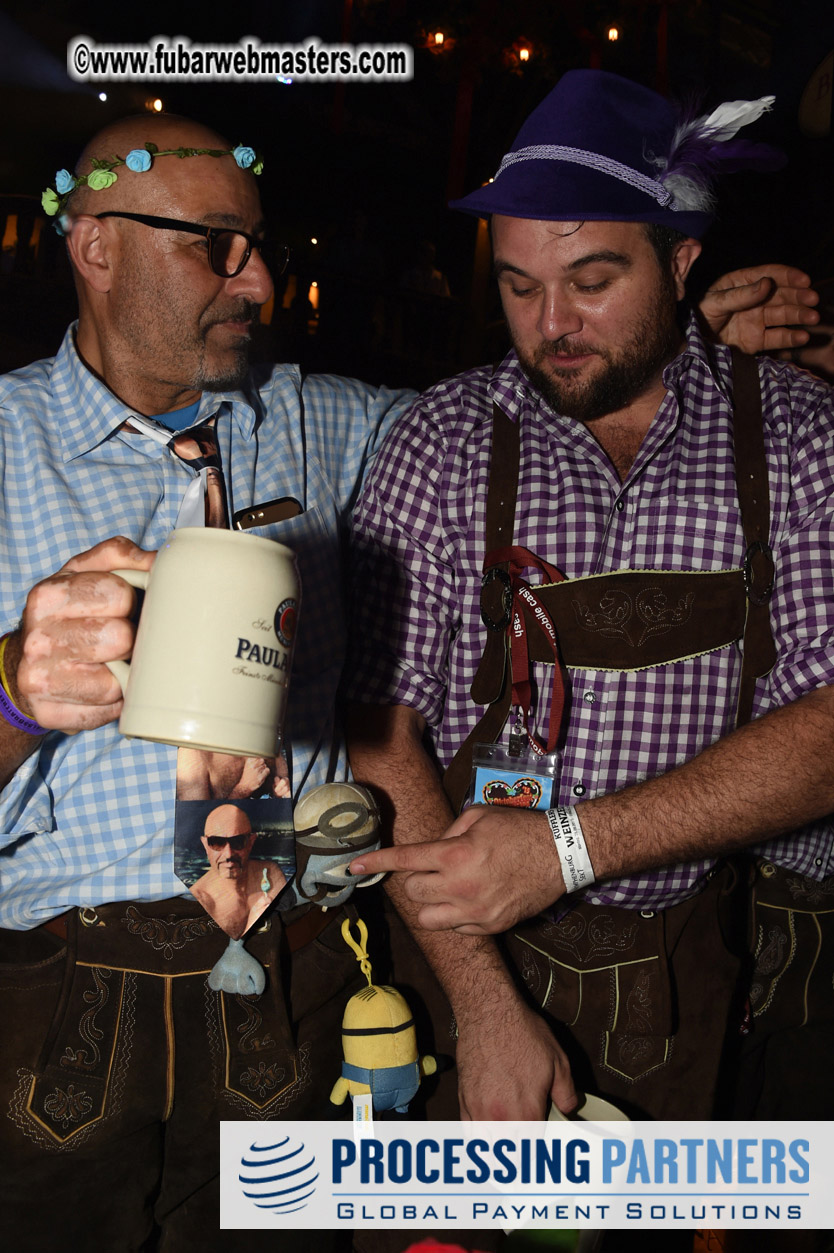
(402, 857)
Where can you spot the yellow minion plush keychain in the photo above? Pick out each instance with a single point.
(378, 1040)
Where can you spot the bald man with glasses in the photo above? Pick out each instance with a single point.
(236, 888)
(122, 1060)
(228, 250)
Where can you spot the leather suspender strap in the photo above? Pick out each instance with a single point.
(493, 682)
(496, 601)
(759, 653)
(503, 481)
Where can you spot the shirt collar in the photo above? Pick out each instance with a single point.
(89, 413)
(711, 360)
(509, 386)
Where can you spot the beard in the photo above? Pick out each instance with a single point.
(236, 366)
(628, 371)
(167, 336)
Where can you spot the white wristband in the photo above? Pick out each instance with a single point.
(577, 870)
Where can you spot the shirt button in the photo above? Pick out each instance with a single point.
(620, 506)
(590, 699)
(579, 789)
(817, 861)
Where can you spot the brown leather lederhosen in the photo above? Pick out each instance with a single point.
(647, 1007)
(673, 614)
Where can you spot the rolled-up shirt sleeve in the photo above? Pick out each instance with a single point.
(802, 605)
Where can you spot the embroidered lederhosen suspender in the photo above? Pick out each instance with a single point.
(628, 619)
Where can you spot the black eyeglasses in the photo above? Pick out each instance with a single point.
(228, 250)
(235, 842)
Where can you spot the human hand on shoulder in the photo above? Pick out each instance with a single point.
(491, 868)
(74, 622)
(762, 308)
(817, 355)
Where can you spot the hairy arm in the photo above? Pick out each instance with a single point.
(762, 780)
(769, 777)
(509, 1065)
(193, 776)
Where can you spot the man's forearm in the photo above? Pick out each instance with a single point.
(495, 866)
(509, 1064)
(768, 778)
(386, 751)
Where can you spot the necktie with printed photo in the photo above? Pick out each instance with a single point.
(233, 844)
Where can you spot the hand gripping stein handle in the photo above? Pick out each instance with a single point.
(139, 579)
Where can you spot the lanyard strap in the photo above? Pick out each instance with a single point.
(515, 560)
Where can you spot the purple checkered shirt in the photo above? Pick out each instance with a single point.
(420, 529)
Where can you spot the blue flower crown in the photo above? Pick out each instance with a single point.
(139, 161)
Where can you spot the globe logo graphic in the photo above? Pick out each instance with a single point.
(278, 1176)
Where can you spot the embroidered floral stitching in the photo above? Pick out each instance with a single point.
(639, 1007)
(264, 1112)
(19, 1114)
(167, 935)
(249, 1042)
(79, 1058)
(263, 1078)
(811, 892)
(67, 1105)
(650, 607)
(769, 959)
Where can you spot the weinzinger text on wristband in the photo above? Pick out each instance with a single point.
(8, 710)
(577, 870)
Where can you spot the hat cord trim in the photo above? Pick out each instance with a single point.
(605, 165)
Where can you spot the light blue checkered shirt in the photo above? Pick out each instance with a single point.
(89, 818)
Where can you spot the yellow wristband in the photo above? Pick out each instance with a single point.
(9, 711)
(3, 678)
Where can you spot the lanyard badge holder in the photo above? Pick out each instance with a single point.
(520, 780)
(522, 774)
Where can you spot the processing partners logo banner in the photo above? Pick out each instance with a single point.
(400, 1175)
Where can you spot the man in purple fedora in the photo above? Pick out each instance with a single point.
(605, 565)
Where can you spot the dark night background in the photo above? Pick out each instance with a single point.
(367, 169)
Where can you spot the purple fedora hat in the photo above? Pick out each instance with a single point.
(602, 148)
